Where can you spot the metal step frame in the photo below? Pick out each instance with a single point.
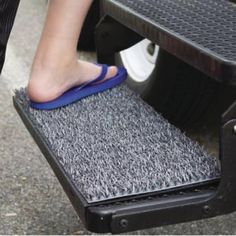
(97, 214)
(162, 208)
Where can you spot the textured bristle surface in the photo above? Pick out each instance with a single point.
(114, 145)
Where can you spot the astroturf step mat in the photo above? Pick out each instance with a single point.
(113, 145)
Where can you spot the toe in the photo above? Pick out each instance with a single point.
(112, 71)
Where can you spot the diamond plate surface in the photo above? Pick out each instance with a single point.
(208, 23)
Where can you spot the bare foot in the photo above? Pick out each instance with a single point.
(49, 82)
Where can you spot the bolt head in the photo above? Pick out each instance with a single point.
(206, 209)
(124, 223)
(234, 129)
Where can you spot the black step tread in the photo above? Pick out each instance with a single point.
(206, 26)
(114, 145)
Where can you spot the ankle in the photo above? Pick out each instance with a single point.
(48, 60)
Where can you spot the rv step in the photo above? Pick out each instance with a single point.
(200, 32)
(113, 147)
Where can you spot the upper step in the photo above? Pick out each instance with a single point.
(200, 32)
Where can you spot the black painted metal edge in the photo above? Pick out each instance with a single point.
(147, 212)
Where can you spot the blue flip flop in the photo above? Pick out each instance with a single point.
(89, 88)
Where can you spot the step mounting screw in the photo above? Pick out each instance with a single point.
(234, 129)
(124, 223)
(206, 209)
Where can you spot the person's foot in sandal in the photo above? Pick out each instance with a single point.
(49, 81)
(56, 68)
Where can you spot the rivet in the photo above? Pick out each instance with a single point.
(234, 129)
(206, 209)
(124, 223)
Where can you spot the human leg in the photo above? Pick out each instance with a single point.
(56, 68)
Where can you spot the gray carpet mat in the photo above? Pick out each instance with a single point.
(114, 145)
